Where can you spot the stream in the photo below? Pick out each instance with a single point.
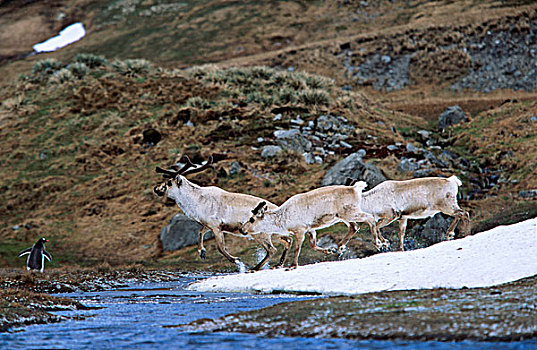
(140, 316)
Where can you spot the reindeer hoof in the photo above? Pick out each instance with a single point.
(450, 236)
(332, 250)
(384, 248)
(202, 254)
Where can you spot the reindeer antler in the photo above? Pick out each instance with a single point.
(208, 164)
(350, 181)
(170, 174)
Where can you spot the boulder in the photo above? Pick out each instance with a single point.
(270, 151)
(293, 140)
(431, 232)
(353, 166)
(451, 116)
(181, 232)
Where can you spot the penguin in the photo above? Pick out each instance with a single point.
(37, 255)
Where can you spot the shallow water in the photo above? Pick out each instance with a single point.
(136, 318)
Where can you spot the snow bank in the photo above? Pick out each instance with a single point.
(67, 36)
(503, 254)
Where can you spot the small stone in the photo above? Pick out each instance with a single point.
(423, 173)
(407, 165)
(386, 59)
(297, 120)
(533, 118)
(309, 158)
(451, 116)
(234, 168)
(271, 151)
(260, 139)
(424, 134)
(411, 148)
(528, 194)
(16, 227)
(345, 144)
(285, 134)
(277, 117)
(392, 147)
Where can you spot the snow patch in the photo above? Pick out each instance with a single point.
(500, 255)
(67, 36)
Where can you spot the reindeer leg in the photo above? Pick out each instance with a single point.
(402, 229)
(458, 215)
(286, 241)
(299, 239)
(264, 240)
(342, 246)
(221, 245)
(201, 249)
(312, 238)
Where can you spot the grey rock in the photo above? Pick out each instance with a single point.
(407, 165)
(286, 134)
(345, 144)
(271, 151)
(422, 173)
(424, 134)
(392, 147)
(327, 123)
(432, 231)
(297, 120)
(451, 116)
(434, 160)
(234, 168)
(412, 149)
(353, 166)
(528, 194)
(293, 140)
(309, 158)
(181, 232)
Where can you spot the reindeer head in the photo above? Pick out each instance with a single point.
(258, 214)
(175, 177)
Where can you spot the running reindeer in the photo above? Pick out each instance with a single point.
(306, 212)
(216, 210)
(410, 199)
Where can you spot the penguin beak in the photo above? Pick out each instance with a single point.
(46, 240)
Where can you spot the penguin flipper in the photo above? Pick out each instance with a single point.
(47, 255)
(24, 252)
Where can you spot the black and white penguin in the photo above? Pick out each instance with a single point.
(37, 255)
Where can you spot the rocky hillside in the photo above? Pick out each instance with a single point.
(83, 128)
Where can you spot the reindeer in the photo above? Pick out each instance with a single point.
(410, 199)
(306, 212)
(216, 210)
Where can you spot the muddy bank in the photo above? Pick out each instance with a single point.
(24, 299)
(19, 307)
(501, 313)
(82, 280)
